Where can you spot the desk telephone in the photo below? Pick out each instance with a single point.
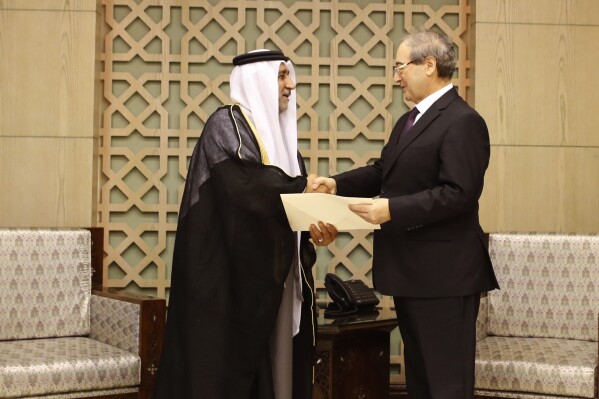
(348, 296)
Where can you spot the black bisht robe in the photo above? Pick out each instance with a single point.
(233, 251)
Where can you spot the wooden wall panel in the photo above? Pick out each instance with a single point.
(47, 66)
(560, 12)
(46, 182)
(55, 5)
(581, 190)
(537, 91)
(542, 189)
(48, 112)
(535, 83)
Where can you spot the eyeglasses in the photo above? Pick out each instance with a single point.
(399, 68)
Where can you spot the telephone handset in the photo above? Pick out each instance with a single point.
(348, 296)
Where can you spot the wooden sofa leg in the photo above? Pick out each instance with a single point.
(152, 319)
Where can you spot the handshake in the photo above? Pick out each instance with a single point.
(376, 212)
(321, 184)
(323, 234)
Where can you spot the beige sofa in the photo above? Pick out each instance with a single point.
(59, 338)
(538, 335)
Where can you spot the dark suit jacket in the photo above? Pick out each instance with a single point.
(433, 246)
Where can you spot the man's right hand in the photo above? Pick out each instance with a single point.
(323, 184)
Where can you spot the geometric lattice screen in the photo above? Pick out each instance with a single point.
(166, 66)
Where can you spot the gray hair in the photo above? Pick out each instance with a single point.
(425, 43)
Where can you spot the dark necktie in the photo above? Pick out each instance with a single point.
(410, 122)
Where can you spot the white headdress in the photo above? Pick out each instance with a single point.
(254, 85)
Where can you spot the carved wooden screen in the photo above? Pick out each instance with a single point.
(166, 67)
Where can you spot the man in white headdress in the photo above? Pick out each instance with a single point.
(241, 320)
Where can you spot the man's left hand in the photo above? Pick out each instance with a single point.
(323, 234)
(375, 213)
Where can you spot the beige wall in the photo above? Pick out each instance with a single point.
(536, 84)
(48, 112)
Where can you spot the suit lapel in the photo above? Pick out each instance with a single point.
(418, 129)
(394, 138)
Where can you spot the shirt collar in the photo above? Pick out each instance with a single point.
(426, 103)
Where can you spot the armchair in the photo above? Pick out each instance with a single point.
(538, 335)
(61, 334)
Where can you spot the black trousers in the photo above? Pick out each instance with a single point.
(439, 336)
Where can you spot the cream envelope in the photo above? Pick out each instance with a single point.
(310, 208)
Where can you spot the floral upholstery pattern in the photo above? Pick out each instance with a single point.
(544, 365)
(481, 320)
(57, 340)
(549, 286)
(115, 323)
(537, 336)
(45, 366)
(518, 395)
(36, 300)
(86, 394)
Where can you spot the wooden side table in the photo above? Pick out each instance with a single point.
(352, 356)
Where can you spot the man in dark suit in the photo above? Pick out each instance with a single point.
(430, 253)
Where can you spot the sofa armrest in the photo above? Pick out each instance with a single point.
(483, 317)
(135, 319)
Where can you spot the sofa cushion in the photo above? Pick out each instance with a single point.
(495, 394)
(111, 393)
(54, 365)
(115, 323)
(45, 283)
(542, 365)
(549, 286)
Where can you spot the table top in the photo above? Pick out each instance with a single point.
(383, 318)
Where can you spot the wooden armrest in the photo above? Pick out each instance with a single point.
(152, 317)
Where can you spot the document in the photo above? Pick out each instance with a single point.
(310, 208)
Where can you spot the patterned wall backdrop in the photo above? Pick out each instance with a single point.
(166, 65)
